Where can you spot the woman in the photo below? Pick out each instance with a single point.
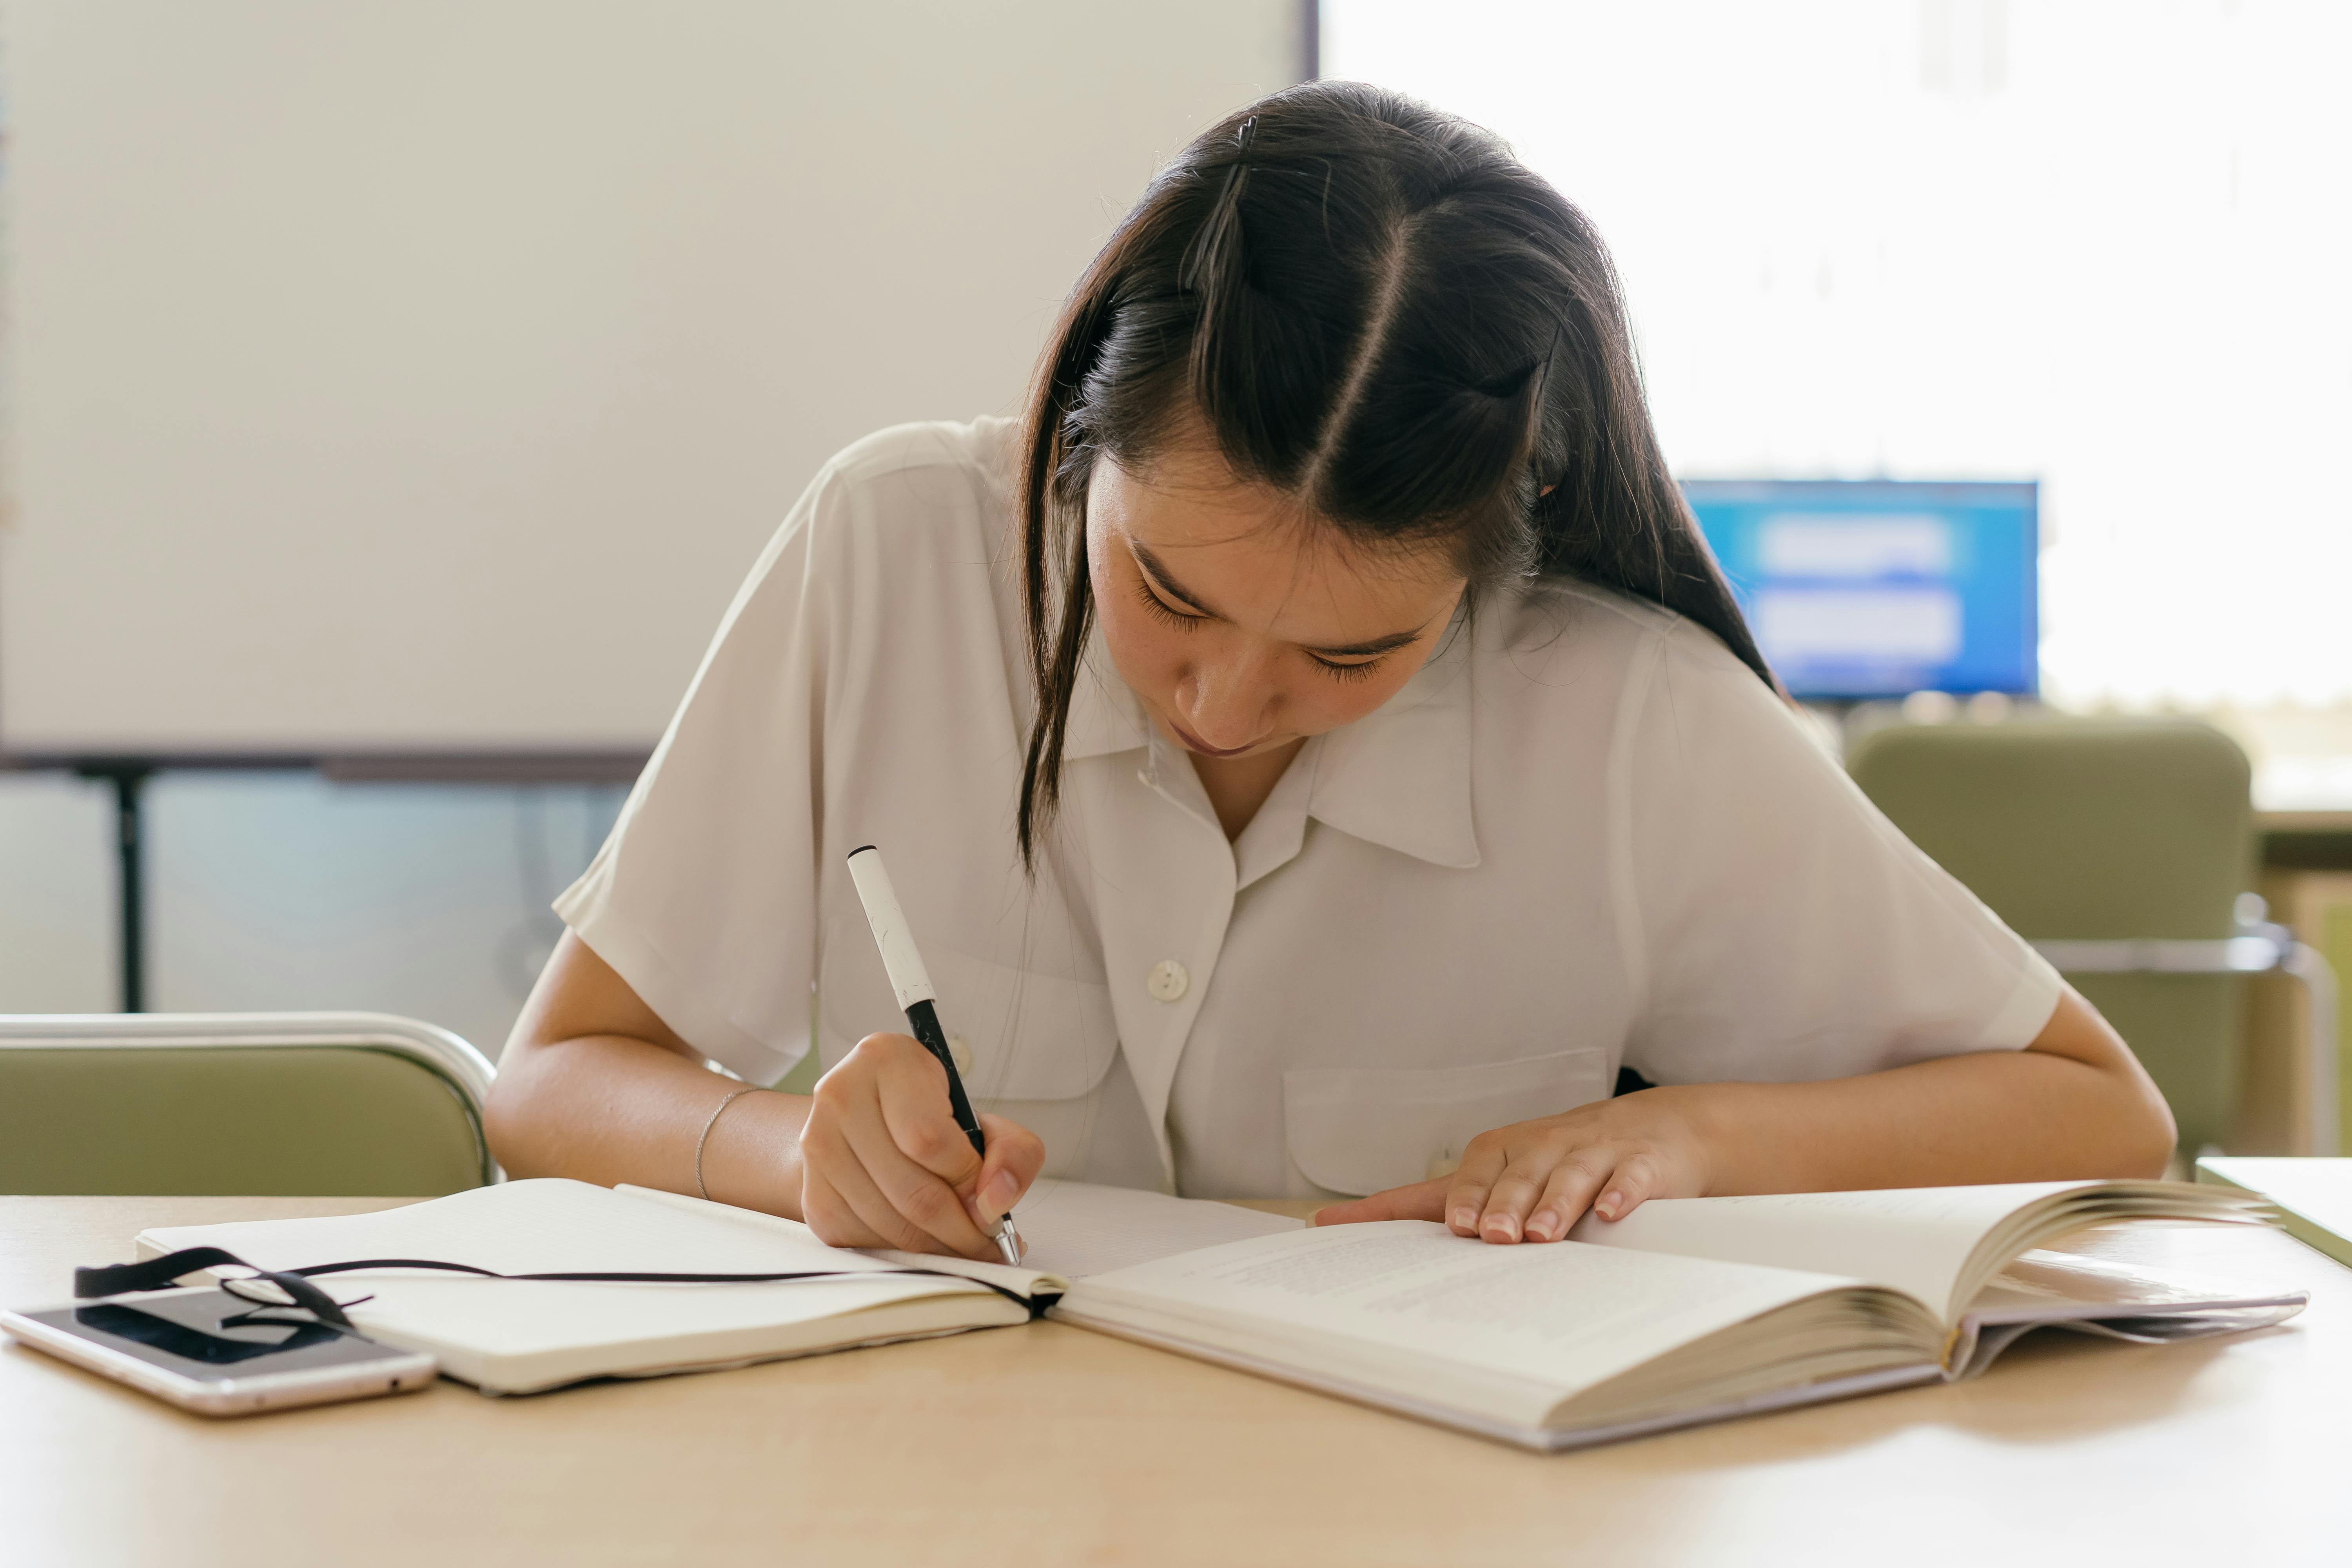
(1316, 755)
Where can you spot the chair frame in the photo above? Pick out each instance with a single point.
(459, 1065)
(2259, 948)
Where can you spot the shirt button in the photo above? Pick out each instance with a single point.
(1167, 980)
(961, 1050)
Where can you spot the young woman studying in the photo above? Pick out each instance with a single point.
(1315, 753)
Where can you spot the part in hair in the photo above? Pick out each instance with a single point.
(1375, 309)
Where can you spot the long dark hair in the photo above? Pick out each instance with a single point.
(1375, 308)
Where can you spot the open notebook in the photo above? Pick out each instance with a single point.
(520, 1336)
(1689, 1310)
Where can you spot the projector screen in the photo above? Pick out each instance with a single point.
(421, 377)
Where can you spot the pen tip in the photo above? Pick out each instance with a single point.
(857, 852)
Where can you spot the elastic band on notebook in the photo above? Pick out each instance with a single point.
(159, 1273)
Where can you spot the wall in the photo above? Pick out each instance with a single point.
(424, 377)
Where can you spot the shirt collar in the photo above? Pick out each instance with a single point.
(1104, 716)
(1398, 777)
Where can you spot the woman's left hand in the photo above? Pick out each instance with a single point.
(1533, 1180)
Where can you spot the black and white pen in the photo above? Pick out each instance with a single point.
(913, 985)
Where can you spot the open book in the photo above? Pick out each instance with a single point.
(1688, 1310)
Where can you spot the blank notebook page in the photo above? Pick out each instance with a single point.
(1075, 1229)
(553, 1225)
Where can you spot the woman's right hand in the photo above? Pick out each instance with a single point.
(883, 1163)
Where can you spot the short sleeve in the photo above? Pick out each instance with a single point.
(702, 898)
(1786, 929)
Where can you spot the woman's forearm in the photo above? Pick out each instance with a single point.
(2075, 1104)
(609, 1109)
(594, 1086)
(597, 1087)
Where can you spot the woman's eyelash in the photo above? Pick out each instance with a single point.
(1176, 617)
(1160, 606)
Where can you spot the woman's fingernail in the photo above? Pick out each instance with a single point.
(1502, 1226)
(998, 1194)
(1542, 1225)
(1465, 1220)
(1608, 1206)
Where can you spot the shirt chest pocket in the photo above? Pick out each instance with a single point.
(1354, 1130)
(1018, 1035)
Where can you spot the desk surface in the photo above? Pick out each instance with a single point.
(1048, 1445)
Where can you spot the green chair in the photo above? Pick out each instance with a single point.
(249, 1104)
(2122, 848)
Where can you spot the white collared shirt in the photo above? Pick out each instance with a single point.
(1582, 836)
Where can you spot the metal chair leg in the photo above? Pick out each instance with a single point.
(2307, 964)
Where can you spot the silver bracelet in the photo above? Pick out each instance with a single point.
(705, 1139)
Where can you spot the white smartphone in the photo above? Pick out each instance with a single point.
(180, 1345)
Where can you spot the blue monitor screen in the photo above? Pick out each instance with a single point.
(1878, 588)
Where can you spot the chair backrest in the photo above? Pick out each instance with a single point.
(2091, 828)
(322, 1104)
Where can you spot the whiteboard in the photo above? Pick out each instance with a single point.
(421, 377)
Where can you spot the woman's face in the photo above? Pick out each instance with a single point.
(1241, 625)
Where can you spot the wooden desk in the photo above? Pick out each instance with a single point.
(1048, 1445)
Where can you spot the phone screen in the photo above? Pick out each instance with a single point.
(194, 1334)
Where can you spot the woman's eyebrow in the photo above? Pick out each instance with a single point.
(1169, 585)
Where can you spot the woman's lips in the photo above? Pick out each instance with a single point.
(1195, 743)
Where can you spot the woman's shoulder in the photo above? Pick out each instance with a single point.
(978, 453)
(937, 493)
(1564, 629)
(1577, 672)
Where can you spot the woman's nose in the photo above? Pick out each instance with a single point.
(1229, 704)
